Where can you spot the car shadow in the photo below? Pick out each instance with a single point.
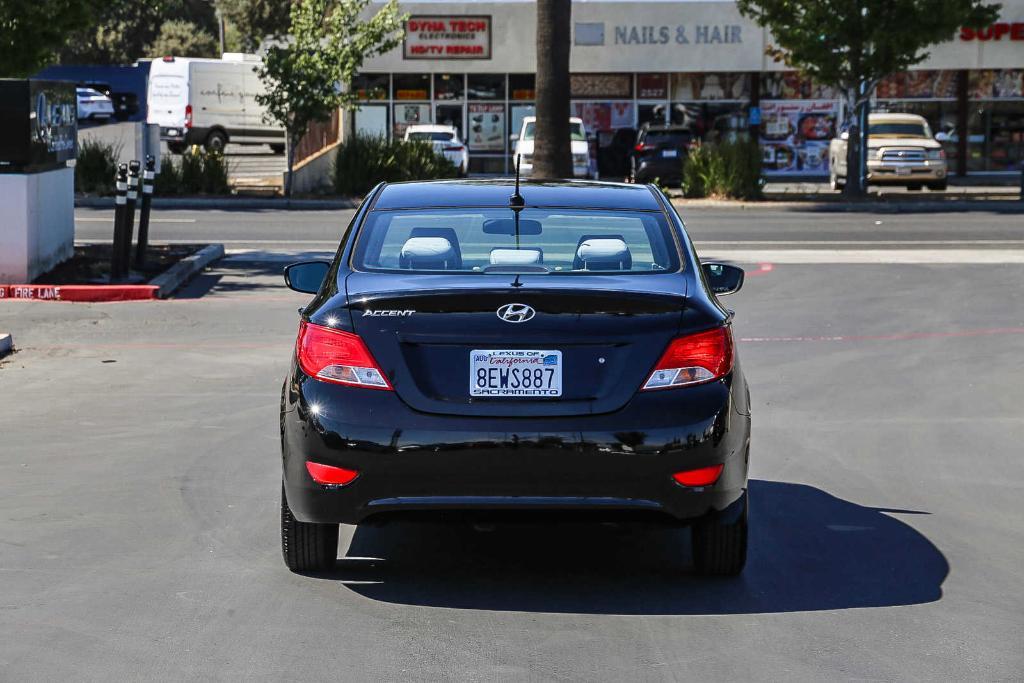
(809, 551)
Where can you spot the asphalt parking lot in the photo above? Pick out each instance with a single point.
(139, 484)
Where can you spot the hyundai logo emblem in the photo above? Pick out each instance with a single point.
(516, 313)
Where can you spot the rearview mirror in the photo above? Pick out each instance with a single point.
(514, 137)
(507, 226)
(307, 276)
(723, 279)
(845, 135)
(942, 136)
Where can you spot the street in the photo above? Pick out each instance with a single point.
(140, 483)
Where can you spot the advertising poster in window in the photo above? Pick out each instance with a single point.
(487, 127)
(795, 135)
(409, 115)
(598, 116)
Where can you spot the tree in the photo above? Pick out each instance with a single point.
(33, 31)
(124, 30)
(256, 20)
(853, 44)
(183, 39)
(552, 148)
(329, 40)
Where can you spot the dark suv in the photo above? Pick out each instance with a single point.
(659, 154)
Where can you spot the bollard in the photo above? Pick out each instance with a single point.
(129, 212)
(118, 269)
(147, 194)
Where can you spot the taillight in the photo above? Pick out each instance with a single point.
(329, 475)
(188, 115)
(453, 148)
(641, 147)
(693, 359)
(339, 357)
(704, 476)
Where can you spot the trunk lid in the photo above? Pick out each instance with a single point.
(610, 331)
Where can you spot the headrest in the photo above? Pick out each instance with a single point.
(516, 257)
(427, 252)
(604, 253)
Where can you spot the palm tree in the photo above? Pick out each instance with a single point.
(552, 151)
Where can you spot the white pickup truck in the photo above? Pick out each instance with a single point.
(901, 151)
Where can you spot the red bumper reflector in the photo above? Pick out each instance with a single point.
(328, 475)
(705, 476)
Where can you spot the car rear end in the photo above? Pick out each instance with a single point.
(167, 100)
(659, 154)
(479, 361)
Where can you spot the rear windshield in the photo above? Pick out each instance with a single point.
(442, 137)
(668, 138)
(575, 131)
(899, 130)
(554, 241)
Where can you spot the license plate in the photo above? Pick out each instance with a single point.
(515, 372)
(902, 171)
(669, 153)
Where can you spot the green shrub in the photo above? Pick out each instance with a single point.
(96, 166)
(195, 172)
(364, 161)
(728, 169)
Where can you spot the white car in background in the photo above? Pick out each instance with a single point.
(445, 141)
(92, 104)
(524, 141)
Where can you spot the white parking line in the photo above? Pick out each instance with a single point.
(866, 256)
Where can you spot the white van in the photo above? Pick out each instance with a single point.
(210, 102)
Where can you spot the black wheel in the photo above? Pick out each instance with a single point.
(307, 547)
(720, 541)
(216, 141)
(938, 187)
(176, 147)
(914, 187)
(277, 149)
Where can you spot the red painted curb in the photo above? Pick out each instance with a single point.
(93, 293)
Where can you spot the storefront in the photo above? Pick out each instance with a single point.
(697, 64)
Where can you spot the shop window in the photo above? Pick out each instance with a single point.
(790, 85)
(411, 86)
(486, 86)
(652, 86)
(449, 86)
(371, 86)
(522, 87)
(995, 136)
(710, 86)
(594, 86)
(486, 129)
(988, 84)
(918, 84)
(795, 136)
(409, 115)
(650, 114)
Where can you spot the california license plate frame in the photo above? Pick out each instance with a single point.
(515, 373)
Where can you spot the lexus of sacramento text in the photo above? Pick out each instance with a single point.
(478, 350)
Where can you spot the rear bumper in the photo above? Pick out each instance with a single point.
(184, 136)
(617, 464)
(666, 170)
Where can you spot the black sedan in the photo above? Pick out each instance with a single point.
(479, 351)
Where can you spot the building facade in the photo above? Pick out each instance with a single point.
(697, 63)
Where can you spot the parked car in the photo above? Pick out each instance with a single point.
(582, 166)
(901, 151)
(92, 104)
(445, 141)
(660, 153)
(480, 350)
(210, 102)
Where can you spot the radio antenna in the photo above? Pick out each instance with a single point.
(516, 201)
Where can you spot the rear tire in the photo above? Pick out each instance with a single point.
(307, 547)
(176, 147)
(720, 543)
(216, 141)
